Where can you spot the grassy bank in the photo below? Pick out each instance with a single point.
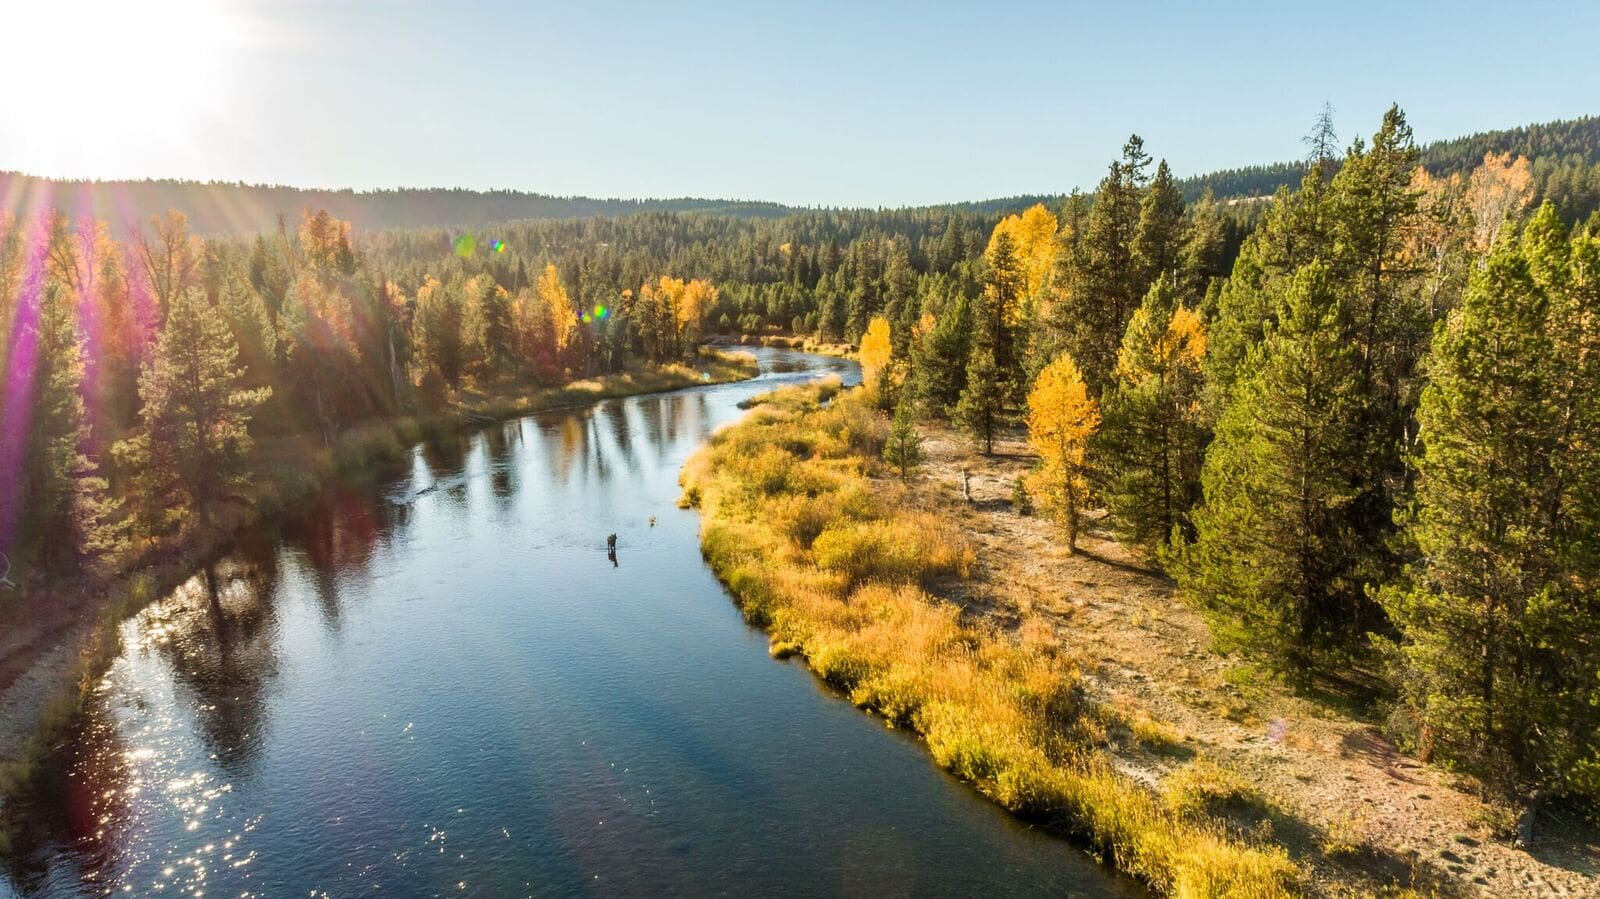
(290, 471)
(836, 565)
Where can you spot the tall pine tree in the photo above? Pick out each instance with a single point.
(1272, 560)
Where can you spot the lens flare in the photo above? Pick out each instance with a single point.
(600, 312)
(499, 246)
(465, 244)
(22, 355)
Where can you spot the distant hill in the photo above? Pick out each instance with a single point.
(219, 207)
(1557, 149)
(1565, 156)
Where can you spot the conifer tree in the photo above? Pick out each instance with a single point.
(1149, 449)
(1003, 285)
(1496, 664)
(192, 448)
(941, 362)
(982, 400)
(1100, 281)
(1272, 558)
(251, 325)
(1158, 242)
(1203, 259)
(904, 447)
(63, 505)
(440, 327)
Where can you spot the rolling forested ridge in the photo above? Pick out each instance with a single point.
(1357, 420)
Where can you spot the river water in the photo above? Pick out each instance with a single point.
(442, 684)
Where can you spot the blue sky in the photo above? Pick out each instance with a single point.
(805, 103)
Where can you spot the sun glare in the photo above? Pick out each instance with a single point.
(108, 71)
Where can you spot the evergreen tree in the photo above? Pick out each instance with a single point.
(1204, 258)
(1496, 661)
(251, 325)
(904, 447)
(1273, 559)
(441, 330)
(192, 449)
(982, 400)
(1004, 284)
(941, 362)
(1149, 449)
(1158, 242)
(1099, 280)
(61, 503)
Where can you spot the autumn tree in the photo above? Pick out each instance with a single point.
(1062, 418)
(876, 350)
(191, 451)
(169, 261)
(1033, 239)
(694, 299)
(557, 304)
(1498, 192)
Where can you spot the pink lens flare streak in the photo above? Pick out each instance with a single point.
(23, 357)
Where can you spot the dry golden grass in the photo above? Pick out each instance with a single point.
(833, 563)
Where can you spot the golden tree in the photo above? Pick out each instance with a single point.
(695, 299)
(876, 348)
(1498, 191)
(553, 297)
(1061, 419)
(1034, 233)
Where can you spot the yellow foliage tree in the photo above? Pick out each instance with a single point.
(1182, 345)
(1034, 233)
(553, 297)
(1498, 191)
(1061, 419)
(876, 348)
(695, 299)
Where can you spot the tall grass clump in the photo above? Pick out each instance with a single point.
(833, 561)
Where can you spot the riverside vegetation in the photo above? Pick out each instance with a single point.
(836, 565)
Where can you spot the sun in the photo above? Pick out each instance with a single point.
(86, 76)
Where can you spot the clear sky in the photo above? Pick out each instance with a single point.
(810, 103)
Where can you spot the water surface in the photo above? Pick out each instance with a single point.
(444, 684)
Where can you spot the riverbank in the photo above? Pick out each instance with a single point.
(863, 578)
(789, 342)
(793, 499)
(1347, 802)
(52, 657)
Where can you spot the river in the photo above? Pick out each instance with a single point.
(441, 683)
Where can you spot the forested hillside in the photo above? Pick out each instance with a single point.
(1565, 159)
(216, 208)
(1564, 156)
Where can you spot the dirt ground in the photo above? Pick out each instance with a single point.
(1354, 807)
